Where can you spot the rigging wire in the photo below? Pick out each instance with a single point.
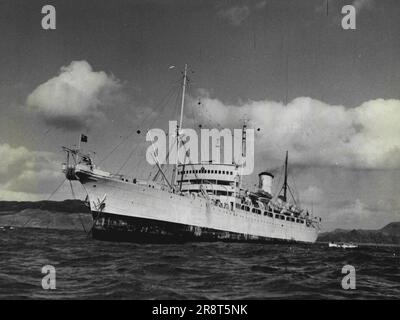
(160, 168)
(170, 94)
(296, 192)
(41, 206)
(209, 119)
(166, 96)
(280, 171)
(166, 99)
(79, 215)
(189, 87)
(192, 107)
(177, 111)
(175, 114)
(291, 193)
(141, 158)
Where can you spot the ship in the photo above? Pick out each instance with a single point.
(343, 245)
(202, 202)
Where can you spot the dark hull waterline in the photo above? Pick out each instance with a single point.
(111, 227)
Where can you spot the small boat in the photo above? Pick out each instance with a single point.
(4, 228)
(342, 245)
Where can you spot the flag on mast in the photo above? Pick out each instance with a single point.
(83, 138)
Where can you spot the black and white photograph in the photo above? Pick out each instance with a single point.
(200, 151)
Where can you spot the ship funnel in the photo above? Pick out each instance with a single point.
(265, 182)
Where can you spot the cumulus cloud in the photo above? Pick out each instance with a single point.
(235, 15)
(27, 174)
(73, 98)
(315, 133)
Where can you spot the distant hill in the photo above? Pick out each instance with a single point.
(390, 234)
(71, 214)
(67, 206)
(67, 214)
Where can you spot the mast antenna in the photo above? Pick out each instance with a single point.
(183, 95)
(285, 185)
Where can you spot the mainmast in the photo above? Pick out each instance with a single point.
(183, 95)
(285, 181)
(179, 126)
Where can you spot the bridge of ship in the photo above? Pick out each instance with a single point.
(219, 181)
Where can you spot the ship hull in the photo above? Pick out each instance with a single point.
(126, 211)
(139, 230)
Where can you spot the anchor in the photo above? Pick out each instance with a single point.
(99, 207)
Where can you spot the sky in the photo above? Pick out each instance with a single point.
(327, 95)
